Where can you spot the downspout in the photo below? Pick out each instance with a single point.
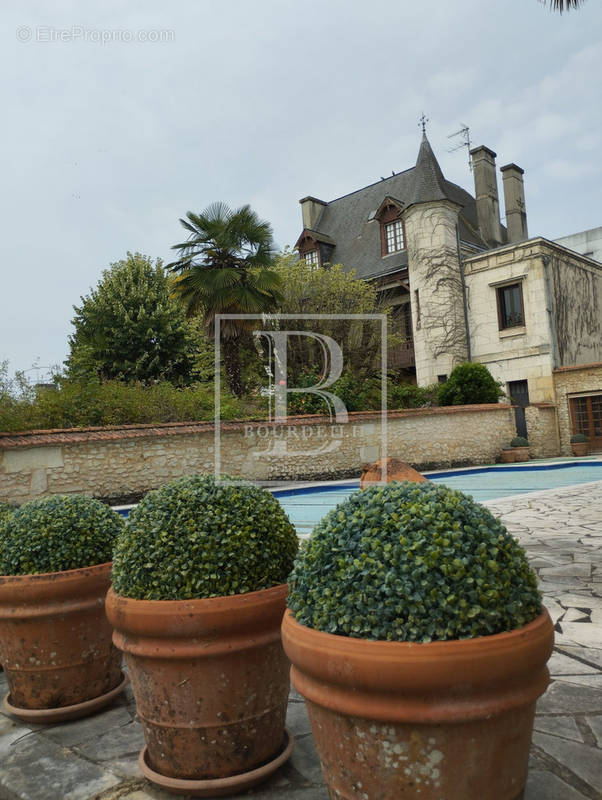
(550, 310)
(464, 297)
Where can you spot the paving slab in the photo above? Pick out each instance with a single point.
(561, 531)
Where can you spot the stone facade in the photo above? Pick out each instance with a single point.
(120, 463)
(562, 303)
(437, 306)
(517, 353)
(572, 382)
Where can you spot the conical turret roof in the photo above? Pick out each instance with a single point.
(429, 183)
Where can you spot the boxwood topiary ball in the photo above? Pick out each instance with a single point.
(198, 537)
(57, 533)
(412, 562)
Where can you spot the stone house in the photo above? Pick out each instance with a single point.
(466, 287)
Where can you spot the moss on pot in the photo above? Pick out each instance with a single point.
(57, 533)
(197, 537)
(412, 562)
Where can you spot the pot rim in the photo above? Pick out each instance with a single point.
(343, 643)
(171, 606)
(19, 593)
(208, 622)
(435, 681)
(52, 576)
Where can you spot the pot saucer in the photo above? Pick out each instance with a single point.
(218, 787)
(65, 713)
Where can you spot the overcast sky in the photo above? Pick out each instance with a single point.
(106, 145)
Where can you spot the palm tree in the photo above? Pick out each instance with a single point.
(565, 5)
(224, 268)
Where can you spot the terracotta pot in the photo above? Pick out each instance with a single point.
(521, 453)
(55, 639)
(446, 720)
(210, 678)
(507, 456)
(580, 448)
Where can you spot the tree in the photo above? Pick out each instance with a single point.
(309, 289)
(469, 383)
(565, 5)
(224, 268)
(129, 328)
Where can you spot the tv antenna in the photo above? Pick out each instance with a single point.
(464, 133)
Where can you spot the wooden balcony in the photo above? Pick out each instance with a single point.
(402, 355)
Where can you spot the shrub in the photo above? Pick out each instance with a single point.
(57, 533)
(5, 511)
(75, 405)
(408, 395)
(578, 438)
(196, 537)
(412, 562)
(519, 441)
(469, 383)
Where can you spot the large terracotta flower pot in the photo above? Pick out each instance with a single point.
(396, 720)
(55, 643)
(580, 448)
(210, 678)
(521, 453)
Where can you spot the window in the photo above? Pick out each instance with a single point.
(510, 306)
(394, 236)
(586, 416)
(311, 258)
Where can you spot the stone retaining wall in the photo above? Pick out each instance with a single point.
(120, 463)
(542, 430)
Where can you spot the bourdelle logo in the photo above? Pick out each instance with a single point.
(279, 437)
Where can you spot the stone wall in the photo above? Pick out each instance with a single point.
(573, 382)
(120, 463)
(542, 430)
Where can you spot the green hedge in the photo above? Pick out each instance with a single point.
(412, 562)
(57, 533)
(81, 405)
(196, 537)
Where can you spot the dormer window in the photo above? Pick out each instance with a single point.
(392, 233)
(394, 238)
(312, 259)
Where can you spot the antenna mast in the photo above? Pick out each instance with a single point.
(464, 132)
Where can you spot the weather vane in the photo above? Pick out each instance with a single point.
(423, 121)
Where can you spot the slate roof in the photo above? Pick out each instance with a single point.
(349, 220)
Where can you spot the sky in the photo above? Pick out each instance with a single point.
(118, 119)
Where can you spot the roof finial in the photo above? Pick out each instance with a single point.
(423, 121)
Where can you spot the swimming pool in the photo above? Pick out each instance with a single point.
(306, 506)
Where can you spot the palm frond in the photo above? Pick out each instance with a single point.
(565, 5)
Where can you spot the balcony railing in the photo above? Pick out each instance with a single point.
(402, 355)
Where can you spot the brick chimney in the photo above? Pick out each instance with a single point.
(488, 207)
(311, 208)
(514, 200)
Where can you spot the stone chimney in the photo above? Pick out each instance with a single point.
(514, 200)
(488, 207)
(311, 208)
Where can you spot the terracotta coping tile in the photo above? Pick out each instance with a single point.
(60, 436)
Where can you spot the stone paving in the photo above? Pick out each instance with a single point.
(562, 533)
